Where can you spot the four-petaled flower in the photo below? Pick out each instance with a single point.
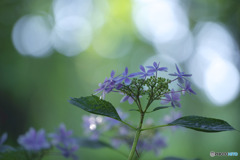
(155, 68)
(173, 97)
(126, 77)
(180, 75)
(33, 140)
(187, 88)
(144, 74)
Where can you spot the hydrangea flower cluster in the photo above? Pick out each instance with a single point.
(150, 140)
(147, 82)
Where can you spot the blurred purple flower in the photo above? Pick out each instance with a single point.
(180, 75)
(116, 142)
(187, 88)
(4, 148)
(64, 141)
(153, 143)
(62, 135)
(173, 97)
(171, 117)
(34, 141)
(3, 138)
(143, 74)
(155, 68)
(90, 125)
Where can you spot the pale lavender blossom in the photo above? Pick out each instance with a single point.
(187, 88)
(105, 87)
(64, 141)
(180, 75)
(143, 74)
(155, 68)
(173, 97)
(33, 140)
(126, 77)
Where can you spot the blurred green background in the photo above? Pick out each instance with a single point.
(52, 50)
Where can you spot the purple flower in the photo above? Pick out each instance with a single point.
(173, 97)
(109, 84)
(61, 136)
(180, 75)
(3, 138)
(105, 87)
(171, 117)
(187, 88)
(91, 124)
(126, 77)
(68, 152)
(154, 143)
(144, 74)
(4, 148)
(125, 98)
(34, 141)
(155, 68)
(64, 141)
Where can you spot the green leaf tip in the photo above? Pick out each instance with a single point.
(202, 124)
(95, 105)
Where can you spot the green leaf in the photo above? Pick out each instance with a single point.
(158, 108)
(203, 124)
(95, 105)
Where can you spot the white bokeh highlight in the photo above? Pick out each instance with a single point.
(214, 64)
(31, 36)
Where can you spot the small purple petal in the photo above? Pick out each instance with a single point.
(178, 69)
(142, 68)
(187, 75)
(165, 101)
(127, 81)
(175, 96)
(125, 73)
(133, 74)
(155, 64)
(112, 73)
(163, 69)
(130, 100)
(150, 67)
(125, 98)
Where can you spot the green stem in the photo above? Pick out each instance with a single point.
(134, 145)
(138, 132)
(155, 127)
(129, 125)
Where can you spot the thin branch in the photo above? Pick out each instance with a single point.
(155, 127)
(129, 125)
